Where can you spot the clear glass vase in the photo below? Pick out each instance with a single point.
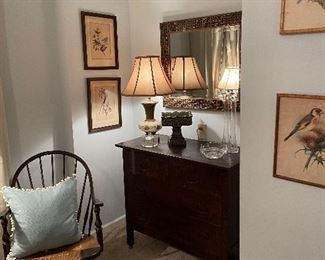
(229, 138)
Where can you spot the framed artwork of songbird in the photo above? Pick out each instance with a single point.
(302, 16)
(299, 149)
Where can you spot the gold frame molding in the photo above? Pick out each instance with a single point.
(284, 31)
(166, 28)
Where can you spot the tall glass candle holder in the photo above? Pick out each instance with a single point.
(229, 86)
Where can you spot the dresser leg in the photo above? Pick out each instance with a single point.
(130, 235)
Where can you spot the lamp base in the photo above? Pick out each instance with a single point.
(150, 125)
(150, 141)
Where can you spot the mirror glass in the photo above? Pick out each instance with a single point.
(198, 54)
(213, 49)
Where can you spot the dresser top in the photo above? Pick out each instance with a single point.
(191, 152)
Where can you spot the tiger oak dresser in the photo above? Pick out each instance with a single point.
(179, 197)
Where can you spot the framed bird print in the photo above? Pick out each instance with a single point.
(299, 150)
(99, 38)
(104, 103)
(302, 16)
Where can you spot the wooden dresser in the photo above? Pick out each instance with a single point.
(182, 198)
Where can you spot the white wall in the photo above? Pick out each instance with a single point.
(280, 220)
(38, 119)
(98, 149)
(45, 88)
(145, 17)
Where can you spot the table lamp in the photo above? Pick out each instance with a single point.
(148, 79)
(185, 74)
(229, 84)
(230, 79)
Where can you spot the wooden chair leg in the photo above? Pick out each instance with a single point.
(98, 225)
(5, 236)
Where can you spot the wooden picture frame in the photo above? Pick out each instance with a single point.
(302, 16)
(99, 39)
(104, 103)
(300, 139)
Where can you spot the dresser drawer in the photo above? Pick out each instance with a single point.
(151, 166)
(181, 173)
(195, 236)
(150, 196)
(197, 177)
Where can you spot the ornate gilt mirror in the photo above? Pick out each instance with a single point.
(205, 47)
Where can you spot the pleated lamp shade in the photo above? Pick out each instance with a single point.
(230, 79)
(148, 78)
(186, 74)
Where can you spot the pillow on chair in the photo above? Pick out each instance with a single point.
(44, 218)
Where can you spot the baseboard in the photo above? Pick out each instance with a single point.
(111, 225)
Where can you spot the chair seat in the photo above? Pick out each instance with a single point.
(72, 252)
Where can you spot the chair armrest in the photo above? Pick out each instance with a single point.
(98, 203)
(4, 213)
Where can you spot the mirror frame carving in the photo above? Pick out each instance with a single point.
(166, 28)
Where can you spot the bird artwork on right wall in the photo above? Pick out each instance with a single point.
(299, 153)
(302, 16)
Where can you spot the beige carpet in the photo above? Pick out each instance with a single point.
(145, 248)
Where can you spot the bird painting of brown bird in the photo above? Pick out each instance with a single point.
(309, 122)
(299, 147)
(312, 136)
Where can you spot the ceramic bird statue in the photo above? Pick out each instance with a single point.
(309, 122)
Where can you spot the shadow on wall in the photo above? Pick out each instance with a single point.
(37, 112)
(10, 102)
(59, 95)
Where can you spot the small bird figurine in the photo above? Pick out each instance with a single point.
(307, 123)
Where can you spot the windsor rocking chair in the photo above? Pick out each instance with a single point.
(49, 168)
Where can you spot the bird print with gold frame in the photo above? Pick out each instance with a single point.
(299, 149)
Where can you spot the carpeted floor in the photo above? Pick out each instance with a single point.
(145, 248)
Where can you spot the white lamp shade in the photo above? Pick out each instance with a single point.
(186, 74)
(230, 79)
(148, 78)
